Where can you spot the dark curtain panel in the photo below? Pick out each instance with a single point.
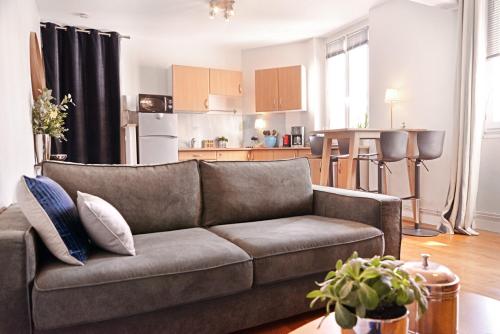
(87, 67)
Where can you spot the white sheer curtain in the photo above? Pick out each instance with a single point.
(460, 209)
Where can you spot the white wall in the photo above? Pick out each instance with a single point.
(413, 48)
(146, 67)
(488, 210)
(309, 53)
(17, 19)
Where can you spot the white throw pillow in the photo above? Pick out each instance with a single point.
(105, 225)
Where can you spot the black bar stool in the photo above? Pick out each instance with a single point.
(393, 146)
(316, 143)
(430, 147)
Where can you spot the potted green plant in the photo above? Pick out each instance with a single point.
(370, 295)
(221, 142)
(48, 120)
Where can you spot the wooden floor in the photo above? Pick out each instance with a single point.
(475, 259)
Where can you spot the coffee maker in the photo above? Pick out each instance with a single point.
(298, 135)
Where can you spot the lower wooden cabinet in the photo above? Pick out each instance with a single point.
(233, 155)
(197, 155)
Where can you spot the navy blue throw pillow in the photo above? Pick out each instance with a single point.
(54, 216)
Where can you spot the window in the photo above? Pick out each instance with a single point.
(493, 66)
(347, 80)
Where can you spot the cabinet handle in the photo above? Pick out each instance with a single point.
(206, 103)
(196, 156)
(274, 102)
(239, 88)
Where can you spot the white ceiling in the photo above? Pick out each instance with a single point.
(256, 22)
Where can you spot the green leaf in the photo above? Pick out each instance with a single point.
(345, 290)
(369, 273)
(338, 265)
(330, 275)
(314, 294)
(344, 317)
(361, 311)
(368, 296)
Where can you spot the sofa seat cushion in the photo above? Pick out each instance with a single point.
(293, 247)
(170, 268)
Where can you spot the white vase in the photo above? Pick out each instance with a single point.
(42, 148)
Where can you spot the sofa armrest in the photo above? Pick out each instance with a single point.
(18, 267)
(381, 211)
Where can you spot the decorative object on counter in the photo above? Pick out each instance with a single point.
(287, 140)
(370, 295)
(442, 311)
(207, 143)
(48, 121)
(270, 138)
(298, 135)
(193, 143)
(364, 125)
(221, 142)
(255, 141)
(391, 97)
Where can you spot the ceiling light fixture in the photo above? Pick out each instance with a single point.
(225, 6)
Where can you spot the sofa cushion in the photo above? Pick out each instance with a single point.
(293, 247)
(243, 191)
(170, 268)
(152, 198)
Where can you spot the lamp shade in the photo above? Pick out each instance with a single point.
(391, 95)
(260, 124)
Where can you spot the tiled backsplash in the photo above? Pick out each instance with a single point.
(237, 128)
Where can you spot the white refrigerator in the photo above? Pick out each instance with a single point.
(158, 142)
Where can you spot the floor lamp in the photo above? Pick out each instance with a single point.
(391, 96)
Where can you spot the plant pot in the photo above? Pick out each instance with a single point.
(42, 147)
(380, 326)
(270, 141)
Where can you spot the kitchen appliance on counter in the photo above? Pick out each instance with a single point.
(156, 103)
(158, 142)
(287, 140)
(298, 135)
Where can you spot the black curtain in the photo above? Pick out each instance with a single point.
(87, 67)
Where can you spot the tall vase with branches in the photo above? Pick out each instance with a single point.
(48, 120)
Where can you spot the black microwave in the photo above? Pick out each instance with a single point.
(156, 103)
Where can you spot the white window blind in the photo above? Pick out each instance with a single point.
(356, 39)
(335, 48)
(493, 29)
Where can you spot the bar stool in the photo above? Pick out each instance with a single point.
(316, 143)
(430, 147)
(393, 146)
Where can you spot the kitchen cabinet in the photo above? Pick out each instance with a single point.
(225, 82)
(232, 155)
(197, 155)
(290, 92)
(280, 89)
(266, 90)
(190, 88)
(284, 154)
(262, 155)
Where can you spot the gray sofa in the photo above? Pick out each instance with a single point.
(221, 246)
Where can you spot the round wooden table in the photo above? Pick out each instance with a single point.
(477, 315)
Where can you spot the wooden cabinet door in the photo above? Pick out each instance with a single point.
(262, 155)
(266, 90)
(198, 155)
(190, 87)
(225, 82)
(290, 88)
(232, 155)
(284, 154)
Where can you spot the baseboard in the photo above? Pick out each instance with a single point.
(487, 221)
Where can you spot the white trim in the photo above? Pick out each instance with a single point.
(347, 29)
(488, 221)
(492, 132)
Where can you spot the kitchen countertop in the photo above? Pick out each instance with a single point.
(188, 149)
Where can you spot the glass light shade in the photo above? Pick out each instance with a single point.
(260, 124)
(391, 95)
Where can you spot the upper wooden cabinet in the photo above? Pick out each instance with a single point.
(280, 89)
(225, 82)
(266, 90)
(190, 87)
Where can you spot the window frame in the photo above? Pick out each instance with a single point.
(345, 34)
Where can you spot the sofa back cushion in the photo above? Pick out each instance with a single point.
(151, 198)
(244, 191)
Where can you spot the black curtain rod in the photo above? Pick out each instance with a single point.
(85, 31)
